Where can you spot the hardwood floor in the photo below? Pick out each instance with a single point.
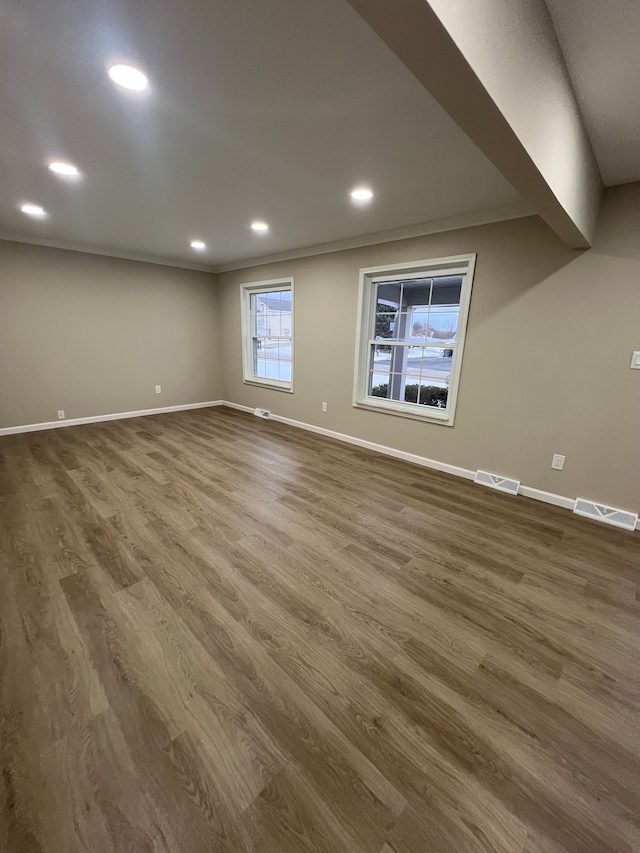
(223, 634)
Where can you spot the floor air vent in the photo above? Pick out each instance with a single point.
(262, 413)
(607, 514)
(502, 484)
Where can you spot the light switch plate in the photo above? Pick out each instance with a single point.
(635, 361)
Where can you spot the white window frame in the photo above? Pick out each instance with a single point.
(463, 265)
(275, 285)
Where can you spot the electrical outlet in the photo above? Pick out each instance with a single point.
(557, 463)
(635, 360)
(61, 414)
(324, 407)
(158, 389)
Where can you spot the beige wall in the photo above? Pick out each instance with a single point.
(546, 365)
(95, 335)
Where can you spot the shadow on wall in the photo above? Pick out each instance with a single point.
(511, 275)
(618, 232)
(508, 270)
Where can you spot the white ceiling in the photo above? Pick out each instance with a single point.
(600, 40)
(272, 109)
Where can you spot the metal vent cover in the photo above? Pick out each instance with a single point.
(495, 481)
(606, 514)
(262, 413)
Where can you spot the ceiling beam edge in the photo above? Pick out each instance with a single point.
(415, 33)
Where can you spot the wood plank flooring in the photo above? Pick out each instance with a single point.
(220, 634)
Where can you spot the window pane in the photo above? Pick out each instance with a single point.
(406, 360)
(397, 382)
(416, 292)
(274, 302)
(270, 328)
(436, 365)
(403, 326)
(412, 364)
(283, 349)
(285, 300)
(258, 314)
(380, 355)
(446, 290)
(388, 297)
(418, 323)
(410, 374)
(404, 388)
(433, 395)
(386, 326)
(284, 325)
(284, 371)
(378, 385)
(257, 354)
(272, 359)
(284, 361)
(271, 313)
(276, 355)
(411, 390)
(398, 359)
(443, 324)
(379, 366)
(408, 389)
(414, 324)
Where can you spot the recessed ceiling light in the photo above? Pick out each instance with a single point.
(198, 244)
(259, 226)
(128, 77)
(361, 194)
(33, 210)
(68, 170)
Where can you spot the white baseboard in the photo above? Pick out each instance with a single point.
(382, 448)
(547, 497)
(527, 491)
(96, 419)
(241, 408)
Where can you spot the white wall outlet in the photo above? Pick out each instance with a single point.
(158, 389)
(324, 407)
(635, 360)
(557, 463)
(61, 414)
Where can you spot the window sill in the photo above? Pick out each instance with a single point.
(433, 416)
(271, 384)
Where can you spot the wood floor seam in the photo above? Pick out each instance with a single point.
(220, 634)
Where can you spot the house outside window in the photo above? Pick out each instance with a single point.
(267, 326)
(413, 319)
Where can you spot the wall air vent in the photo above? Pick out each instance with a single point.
(262, 413)
(607, 514)
(494, 481)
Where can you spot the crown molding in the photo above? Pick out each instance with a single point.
(69, 246)
(422, 229)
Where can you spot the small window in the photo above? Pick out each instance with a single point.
(267, 325)
(413, 319)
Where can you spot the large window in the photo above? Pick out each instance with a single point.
(411, 335)
(267, 333)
